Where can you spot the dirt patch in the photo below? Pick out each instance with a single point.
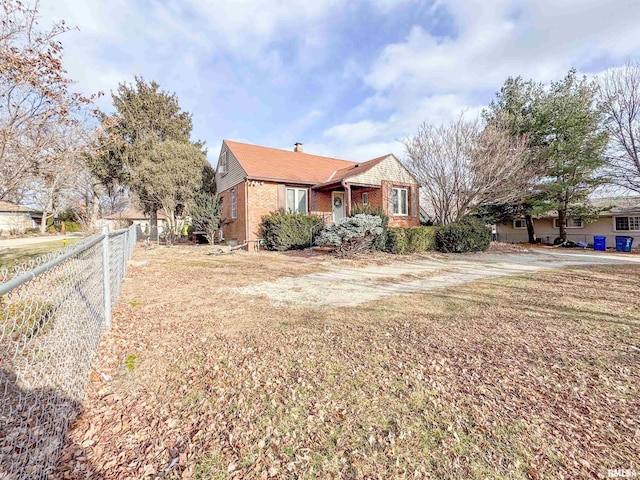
(340, 285)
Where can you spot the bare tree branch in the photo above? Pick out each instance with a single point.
(619, 92)
(464, 165)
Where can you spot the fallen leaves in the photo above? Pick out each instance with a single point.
(492, 380)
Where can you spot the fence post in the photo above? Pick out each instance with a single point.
(106, 280)
(124, 259)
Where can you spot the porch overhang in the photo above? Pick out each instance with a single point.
(332, 185)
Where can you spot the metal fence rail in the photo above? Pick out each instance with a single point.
(52, 313)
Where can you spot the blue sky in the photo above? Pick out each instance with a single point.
(345, 78)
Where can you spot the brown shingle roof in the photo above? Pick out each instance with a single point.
(272, 163)
(12, 207)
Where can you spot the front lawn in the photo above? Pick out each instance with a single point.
(11, 256)
(517, 377)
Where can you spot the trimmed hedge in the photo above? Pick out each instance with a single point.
(410, 239)
(469, 235)
(283, 230)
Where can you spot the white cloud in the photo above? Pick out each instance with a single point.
(496, 39)
(428, 77)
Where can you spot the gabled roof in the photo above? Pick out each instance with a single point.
(352, 170)
(12, 207)
(284, 165)
(134, 214)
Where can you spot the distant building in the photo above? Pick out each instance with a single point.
(621, 218)
(139, 218)
(15, 219)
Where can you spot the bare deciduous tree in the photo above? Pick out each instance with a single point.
(619, 91)
(465, 164)
(34, 94)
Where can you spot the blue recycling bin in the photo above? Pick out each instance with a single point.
(600, 243)
(623, 244)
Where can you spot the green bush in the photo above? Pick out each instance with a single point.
(410, 239)
(352, 234)
(283, 230)
(71, 227)
(470, 235)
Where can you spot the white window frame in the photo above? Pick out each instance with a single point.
(234, 203)
(224, 163)
(523, 223)
(406, 192)
(628, 217)
(296, 199)
(365, 198)
(556, 223)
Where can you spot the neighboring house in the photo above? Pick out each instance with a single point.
(253, 181)
(621, 219)
(138, 217)
(16, 219)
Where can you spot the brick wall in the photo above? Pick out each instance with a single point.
(234, 229)
(411, 220)
(263, 199)
(375, 196)
(321, 202)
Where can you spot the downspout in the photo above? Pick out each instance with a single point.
(246, 209)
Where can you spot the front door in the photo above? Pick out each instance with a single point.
(337, 200)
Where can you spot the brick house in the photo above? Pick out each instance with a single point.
(254, 181)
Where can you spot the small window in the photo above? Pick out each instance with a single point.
(400, 201)
(297, 200)
(627, 223)
(569, 223)
(365, 199)
(224, 167)
(519, 223)
(234, 203)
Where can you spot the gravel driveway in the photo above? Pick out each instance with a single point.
(352, 286)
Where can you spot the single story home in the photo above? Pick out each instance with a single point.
(254, 181)
(15, 219)
(137, 217)
(621, 218)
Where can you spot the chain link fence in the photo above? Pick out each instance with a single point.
(52, 312)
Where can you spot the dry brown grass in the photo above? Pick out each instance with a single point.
(508, 378)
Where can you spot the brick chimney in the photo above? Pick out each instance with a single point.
(298, 147)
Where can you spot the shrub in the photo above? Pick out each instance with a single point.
(283, 230)
(410, 239)
(469, 235)
(361, 209)
(352, 234)
(71, 227)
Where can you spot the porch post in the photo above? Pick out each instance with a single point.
(347, 199)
